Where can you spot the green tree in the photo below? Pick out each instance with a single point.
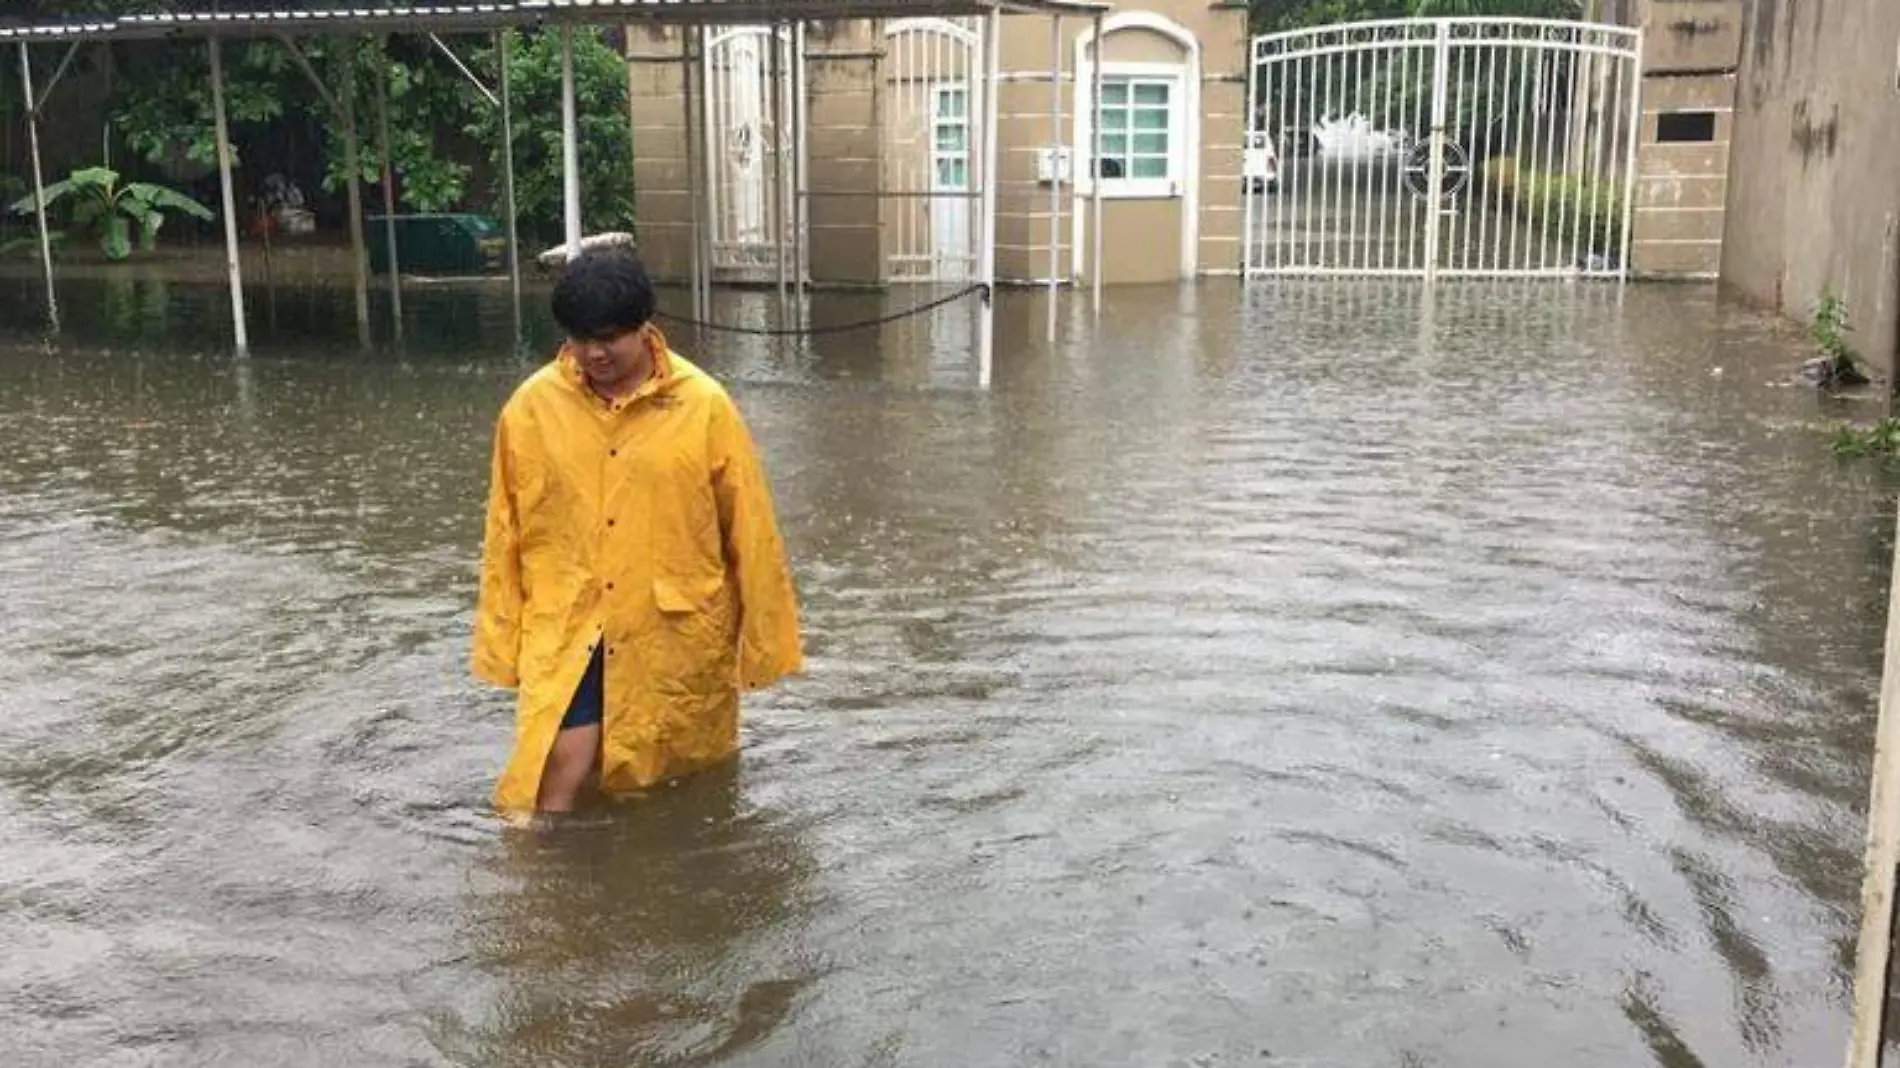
(426, 97)
(606, 134)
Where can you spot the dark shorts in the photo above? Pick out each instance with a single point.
(585, 709)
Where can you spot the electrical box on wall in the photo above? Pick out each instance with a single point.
(1053, 164)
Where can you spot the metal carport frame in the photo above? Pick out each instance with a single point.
(386, 19)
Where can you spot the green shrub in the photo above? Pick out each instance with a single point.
(1573, 204)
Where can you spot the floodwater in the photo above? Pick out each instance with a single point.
(1303, 676)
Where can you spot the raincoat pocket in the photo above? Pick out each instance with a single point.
(699, 632)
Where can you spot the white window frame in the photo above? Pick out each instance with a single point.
(1128, 187)
(1171, 187)
(940, 122)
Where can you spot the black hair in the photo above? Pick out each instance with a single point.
(602, 294)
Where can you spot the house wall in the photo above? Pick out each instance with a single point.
(1146, 235)
(867, 136)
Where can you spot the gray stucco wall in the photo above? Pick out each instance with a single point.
(1814, 177)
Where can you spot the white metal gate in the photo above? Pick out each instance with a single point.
(1471, 147)
(749, 149)
(932, 101)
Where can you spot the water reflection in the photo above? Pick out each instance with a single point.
(662, 932)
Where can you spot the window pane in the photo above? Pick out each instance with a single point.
(1148, 167)
(953, 174)
(1151, 118)
(1114, 92)
(952, 138)
(1151, 144)
(1151, 93)
(1114, 144)
(952, 104)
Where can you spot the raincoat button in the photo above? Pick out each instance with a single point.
(610, 587)
(610, 522)
(613, 452)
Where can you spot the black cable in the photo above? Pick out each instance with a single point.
(833, 328)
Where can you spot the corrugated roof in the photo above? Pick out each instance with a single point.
(205, 19)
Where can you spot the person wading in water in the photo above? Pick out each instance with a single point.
(633, 580)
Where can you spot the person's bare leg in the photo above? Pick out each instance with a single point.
(572, 761)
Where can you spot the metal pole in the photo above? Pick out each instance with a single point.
(359, 247)
(240, 338)
(1055, 168)
(389, 187)
(1435, 177)
(688, 38)
(1095, 189)
(508, 178)
(39, 185)
(778, 161)
(801, 163)
(570, 147)
(702, 147)
(986, 328)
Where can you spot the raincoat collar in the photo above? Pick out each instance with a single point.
(666, 372)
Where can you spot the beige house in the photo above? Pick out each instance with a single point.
(862, 145)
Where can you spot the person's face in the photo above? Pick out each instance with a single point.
(615, 363)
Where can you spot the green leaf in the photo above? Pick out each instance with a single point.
(159, 197)
(117, 240)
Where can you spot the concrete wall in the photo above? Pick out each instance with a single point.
(1814, 178)
(1145, 235)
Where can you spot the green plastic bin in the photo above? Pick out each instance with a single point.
(438, 243)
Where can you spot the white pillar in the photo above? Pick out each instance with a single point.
(508, 178)
(986, 324)
(39, 185)
(1055, 170)
(239, 335)
(570, 147)
(1095, 178)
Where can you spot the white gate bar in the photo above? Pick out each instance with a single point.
(39, 185)
(240, 337)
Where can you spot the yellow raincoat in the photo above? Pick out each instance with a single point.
(646, 524)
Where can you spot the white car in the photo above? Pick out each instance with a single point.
(1261, 166)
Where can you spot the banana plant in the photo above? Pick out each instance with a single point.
(102, 206)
